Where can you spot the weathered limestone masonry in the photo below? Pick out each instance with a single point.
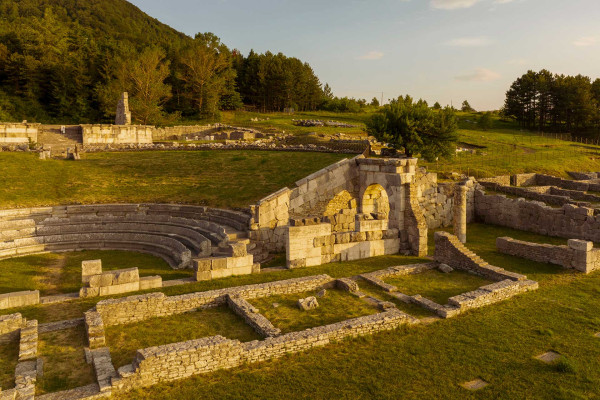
(117, 134)
(123, 116)
(376, 277)
(353, 209)
(139, 308)
(547, 194)
(569, 221)
(10, 326)
(177, 233)
(460, 213)
(436, 200)
(239, 263)
(579, 254)
(252, 316)
(28, 343)
(15, 133)
(98, 283)
(19, 299)
(94, 327)
(449, 250)
(181, 360)
(547, 180)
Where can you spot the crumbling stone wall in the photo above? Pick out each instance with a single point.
(10, 326)
(117, 134)
(98, 283)
(449, 250)
(548, 180)
(181, 360)
(15, 133)
(579, 254)
(19, 299)
(139, 308)
(569, 221)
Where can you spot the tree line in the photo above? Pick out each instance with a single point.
(69, 61)
(555, 103)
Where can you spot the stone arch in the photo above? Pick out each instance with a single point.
(342, 210)
(375, 200)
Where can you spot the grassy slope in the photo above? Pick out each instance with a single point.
(213, 178)
(496, 343)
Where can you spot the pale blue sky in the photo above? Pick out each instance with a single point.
(444, 50)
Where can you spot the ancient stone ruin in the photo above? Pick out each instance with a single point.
(123, 114)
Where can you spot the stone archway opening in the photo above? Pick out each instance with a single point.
(375, 201)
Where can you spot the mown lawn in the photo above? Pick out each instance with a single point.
(56, 273)
(223, 179)
(64, 361)
(125, 340)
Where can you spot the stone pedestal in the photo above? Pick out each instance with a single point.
(123, 115)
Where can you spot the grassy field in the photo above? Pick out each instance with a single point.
(335, 306)
(8, 361)
(56, 273)
(125, 340)
(495, 343)
(215, 178)
(64, 361)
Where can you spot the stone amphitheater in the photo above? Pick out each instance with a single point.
(355, 209)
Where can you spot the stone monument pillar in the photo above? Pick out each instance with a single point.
(123, 114)
(460, 213)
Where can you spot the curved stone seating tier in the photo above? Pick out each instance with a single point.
(171, 250)
(202, 231)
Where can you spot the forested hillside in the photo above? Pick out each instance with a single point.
(69, 60)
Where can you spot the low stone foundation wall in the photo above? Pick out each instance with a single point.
(19, 299)
(181, 360)
(221, 267)
(579, 254)
(10, 326)
(108, 283)
(449, 250)
(252, 316)
(536, 193)
(490, 294)
(138, 308)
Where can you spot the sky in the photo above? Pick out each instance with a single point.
(438, 50)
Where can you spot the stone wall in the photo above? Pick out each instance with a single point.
(449, 250)
(173, 132)
(222, 267)
(98, 283)
(15, 133)
(116, 134)
(569, 221)
(436, 199)
(547, 180)
(312, 242)
(19, 299)
(252, 316)
(181, 360)
(579, 254)
(537, 193)
(10, 326)
(142, 307)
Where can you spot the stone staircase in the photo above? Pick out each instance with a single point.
(51, 136)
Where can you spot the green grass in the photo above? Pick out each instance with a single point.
(436, 285)
(64, 361)
(61, 273)
(214, 178)
(125, 340)
(409, 308)
(335, 306)
(9, 357)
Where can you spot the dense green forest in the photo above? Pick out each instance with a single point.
(555, 103)
(69, 60)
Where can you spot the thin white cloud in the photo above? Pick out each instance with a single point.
(452, 4)
(479, 75)
(586, 41)
(480, 41)
(503, 1)
(372, 55)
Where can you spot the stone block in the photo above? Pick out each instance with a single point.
(203, 275)
(203, 264)
(150, 282)
(19, 299)
(580, 245)
(90, 268)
